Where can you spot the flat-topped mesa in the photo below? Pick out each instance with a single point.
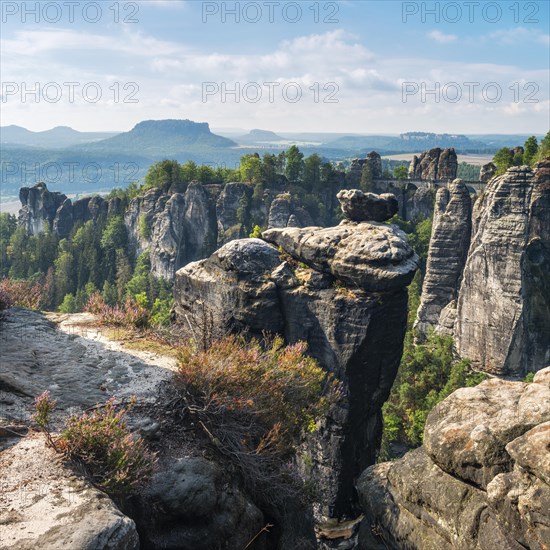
(348, 302)
(359, 207)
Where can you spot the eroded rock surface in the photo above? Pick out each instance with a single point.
(480, 481)
(359, 207)
(284, 212)
(354, 328)
(43, 504)
(503, 311)
(371, 256)
(449, 244)
(190, 503)
(175, 229)
(435, 164)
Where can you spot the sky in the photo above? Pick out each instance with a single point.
(366, 67)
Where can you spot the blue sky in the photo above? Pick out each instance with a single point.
(350, 60)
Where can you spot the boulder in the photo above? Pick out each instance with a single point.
(197, 507)
(479, 482)
(370, 256)
(359, 207)
(44, 505)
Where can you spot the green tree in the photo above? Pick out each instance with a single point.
(544, 148)
(114, 237)
(400, 172)
(64, 272)
(166, 175)
(205, 174)
(531, 148)
(243, 212)
(312, 172)
(139, 282)
(502, 160)
(189, 172)
(68, 305)
(8, 225)
(294, 164)
(269, 169)
(251, 168)
(123, 273)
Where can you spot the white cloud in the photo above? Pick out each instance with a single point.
(171, 74)
(442, 38)
(520, 35)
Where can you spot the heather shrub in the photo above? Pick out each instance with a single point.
(117, 460)
(44, 406)
(254, 402)
(5, 300)
(20, 293)
(131, 314)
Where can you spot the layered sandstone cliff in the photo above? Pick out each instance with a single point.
(449, 245)
(503, 310)
(343, 291)
(435, 164)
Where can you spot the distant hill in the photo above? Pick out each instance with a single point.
(260, 137)
(167, 137)
(409, 142)
(357, 143)
(55, 138)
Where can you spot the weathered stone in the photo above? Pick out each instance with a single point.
(479, 482)
(198, 508)
(175, 229)
(358, 206)
(284, 212)
(449, 246)
(435, 164)
(44, 505)
(487, 172)
(38, 208)
(503, 312)
(372, 256)
(467, 433)
(231, 208)
(372, 160)
(354, 334)
(63, 221)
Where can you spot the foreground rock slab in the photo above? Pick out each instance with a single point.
(480, 482)
(44, 505)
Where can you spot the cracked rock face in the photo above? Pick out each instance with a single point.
(358, 206)
(175, 229)
(449, 245)
(354, 328)
(479, 482)
(371, 256)
(503, 312)
(435, 164)
(283, 212)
